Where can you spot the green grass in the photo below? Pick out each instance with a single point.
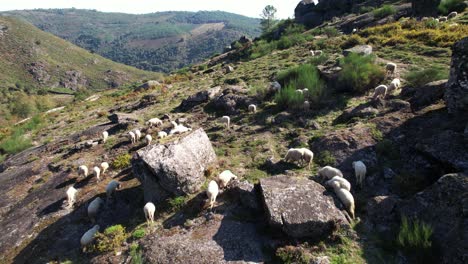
(419, 78)
(17, 141)
(414, 238)
(447, 6)
(111, 239)
(325, 158)
(138, 233)
(177, 203)
(136, 254)
(385, 10)
(121, 161)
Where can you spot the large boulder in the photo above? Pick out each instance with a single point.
(444, 206)
(176, 168)
(232, 99)
(299, 207)
(456, 95)
(312, 15)
(200, 97)
(426, 95)
(360, 49)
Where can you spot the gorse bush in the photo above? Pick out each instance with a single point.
(121, 161)
(352, 41)
(414, 236)
(424, 76)
(447, 6)
(289, 98)
(111, 239)
(359, 73)
(385, 10)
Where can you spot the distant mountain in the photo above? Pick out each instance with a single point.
(161, 41)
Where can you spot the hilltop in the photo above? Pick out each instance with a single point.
(162, 41)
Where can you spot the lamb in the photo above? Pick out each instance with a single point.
(436, 20)
(380, 91)
(225, 177)
(443, 19)
(111, 187)
(162, 134)
(105, 135)
(329, 172)
(154, 122)
(452, 15)
(306, 105)
(104, 167)
(132, 137)
(226, 120)
(83, 170)
(360, 171)
(344, 184)
(307, 156)
(149, 210)
(148, 139)
(293, 155)
(71, 193)
(93, 208)
(97, 172)
(345, 197)
(391, 67)
(212, 192)
(252, 108)
(88, 237)
(137, 134)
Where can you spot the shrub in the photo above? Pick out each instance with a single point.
(291, 254)
(325, 158)
(352, 41)
(135, 253)
(111, 239)
(177, 203)
(289, 98)
(330, 32)
(23, 105)
(139, 233)
(17, 141)
(414, 236)
(300, 77)
(385, 10)
(122, 161)
(318, 60)
(447, 6)
(424, 76)
(365, 9)
(359, 73)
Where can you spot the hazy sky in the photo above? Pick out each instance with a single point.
(250, 8)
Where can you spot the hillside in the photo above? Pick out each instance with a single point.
(162, 41)
(409, 208)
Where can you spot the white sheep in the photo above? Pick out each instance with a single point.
(380, 91)
(225, 177)
(137, 134)
(83, 170)
(252, 108)
(149, 210)
(154, 122)
(105, 135)
(329, 172)
(293, 155)
(97, 172)
(318, 52)
(93, 208)
(300, 92)
(436, 20)
(360, 171)
(71, 193)
(179, 129)
(354, 30)
(312, 53)
(443, 19)
(391, 68)
(111, 187)
(307, 156)
(162, 134)
(132, 137)
(452, 15)
(148, 139)
(88, 237)
(345, 197)
(226, 121)
(212, 192)
(174, 124)
(306, 105)
(344, 184)
(104, 167)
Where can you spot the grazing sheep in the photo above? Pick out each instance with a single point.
(436, 20)
(225, 177)
(212, 192)
(360, 171)
(379, 91)
(312, 53)
(293, 155)
(149, 210)
(162, 134)
(105, 135)
(132, 137)
(71, 193)
(329, 172)
(344, 184)
(452, 15)
(88, 237)
(318, 52)
(179, 129)
(104, 167)
(83, 170)
(354, 30)
(307, 156)
(97, 172)
(111, 187)
(137, 134)
(442, 19)
(425, 19)
(391, 68)
(226, 121)
(306, 105)
(345, 197)
(148, 139)
(252, 108)
(154, 122)
(394, 85)
(93, 208)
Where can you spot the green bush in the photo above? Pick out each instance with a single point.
(23, 105)
(359, 73)
(421, 77)
(289, 98)
(385, 10)
(139, 233)
(291, 254)
(177, 203)
(111, 239)
(122, 161)
(447, 6)
(352, 41)
(318, 60)
(414, 236)
(325, 158)
(17, 141)
(330, 32)
(135, 253)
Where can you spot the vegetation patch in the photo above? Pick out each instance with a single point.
(325, 158)
(136, 254)
(414, 238)
(121, 161)
(360, 73)
(177, 203)
(447, 6)
(293, 255)
(111, 239)
(139, 233)
(421, 77)
(385, 10)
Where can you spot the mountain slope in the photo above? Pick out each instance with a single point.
(160, 41)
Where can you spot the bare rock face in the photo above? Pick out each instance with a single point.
(313, 15)
(426, 95)
(299, 207)
(148, 85)
(175, 168)
(232, 99)
(73, 80)
(200, 97)
(456, 95)
(123, 118)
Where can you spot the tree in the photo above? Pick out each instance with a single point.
(268, 18)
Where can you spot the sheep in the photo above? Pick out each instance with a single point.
(394, 85)
(354, 30)
(345, 197)
(105, 135)
(226, 120)
(111, 187)
(379, 91)
(307, 156)
(224, 178)
(174, 124)
(88, 237)
(442, 19)
(83, 170)
(360, 171)
(293, 155)
(93, 208)
(162, 134)
(97, 172)
(306, 105)
(436, 20)
(300, 92)
(452, 15)
(179, 129)
(318, 53)
(104, 167)
(312, 53)
(154, 122)
(148, 139)
(71, 193)
(137, 134)
(132, 137)
(212, 192)
(425, 19)
(252, 108)
(391, 68)
(344, 184)
(149, 210)
(329, 172)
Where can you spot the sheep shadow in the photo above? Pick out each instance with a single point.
(66, 183)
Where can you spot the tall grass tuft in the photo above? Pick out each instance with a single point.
(289, 98)
(414, 236)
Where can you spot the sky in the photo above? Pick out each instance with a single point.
(251, 8)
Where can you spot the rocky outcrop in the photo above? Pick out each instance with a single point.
(200, 97)
(299, 207)
(148, 85)
(360, 49)
(176, 168)
(456, 95)
(39, 72)
(73, 80)
(232, 99)
(312, 15)
(424, 7)
(116, 79)
(123, 118)
(426, 95)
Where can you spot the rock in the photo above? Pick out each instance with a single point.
(329, 73)
(456, 94)
(228, 69)
(200, 97)
(166, 117)
(247, 194)
(430, 93)
(321, 260)
(312, 15)
(116, 79)
(441, 205)
(394, 105)
(465, 132)
(388, 173)
(148, 85)
(175, 168)
(360, 49)
(299, 207)
(73, 80)
(382, 209)
(314, 125)
(425, 7)
(282, 117)
(275, 86)
(91, 143)
(123, 118)
(232, 99)
(360, 111)
(39, 71)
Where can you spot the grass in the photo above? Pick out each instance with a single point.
(121, 161)
(292, 255)
(111, 239)
(414, 238)
(135, 253)
(288, 98)
(138, 233)
(18, 140)
(359, 73)
(325, 158)
(177, 203)
(384, 11)
(421, 77)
